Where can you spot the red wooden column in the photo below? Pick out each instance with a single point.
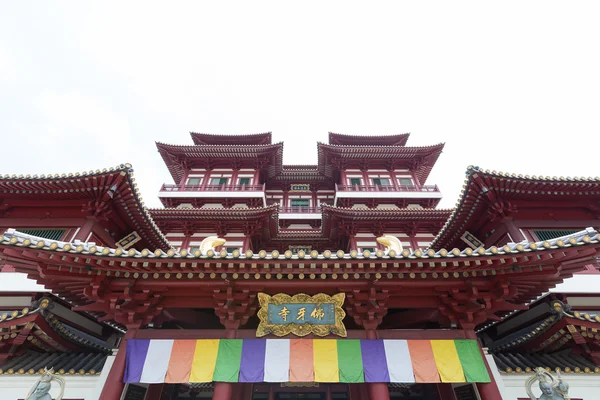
(114, 385)
(224, 390)
(271, 392)
(155, 391)
(487, 391)
(377, 391)
(445, 391)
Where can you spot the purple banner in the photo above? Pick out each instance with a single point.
(374, 361)
(252, 367)
(135, 356)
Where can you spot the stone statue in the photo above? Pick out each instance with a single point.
(41, 389)
(391, 243)
(552, 389)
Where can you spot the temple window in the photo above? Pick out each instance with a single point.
(547, 234)
(355, 181)
(381, 181)
(218, 181)
(193, 181)
(244, 181)
(299, 204)
(52, 234)
(405, 182)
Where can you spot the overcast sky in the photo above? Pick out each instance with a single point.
(510, 86)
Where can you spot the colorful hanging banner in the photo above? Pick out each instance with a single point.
(304, 360)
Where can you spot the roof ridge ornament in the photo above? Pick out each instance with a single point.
(209, 244)
(391, 243)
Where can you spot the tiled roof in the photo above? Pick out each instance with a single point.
(116, 183)
(40, 309)
(17, 239)
(563, 361)
(378, 214)
(74, 363)
(230, 214)
(422, 159)
(368, 140)
(174, 156)
(558, 311)
(481, 186)
(252, 138)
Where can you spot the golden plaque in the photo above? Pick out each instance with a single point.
(301, 314)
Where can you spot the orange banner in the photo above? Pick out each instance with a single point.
(301, 361)
(423, 361)
(180, 364)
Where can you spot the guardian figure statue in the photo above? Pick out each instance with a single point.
(552, 389)
(41, 389)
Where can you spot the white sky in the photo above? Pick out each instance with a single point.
(512, 86)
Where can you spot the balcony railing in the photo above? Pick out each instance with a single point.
(300, 210)
(212, 188)
(386, 188)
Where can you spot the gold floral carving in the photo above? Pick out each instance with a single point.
(264, 328)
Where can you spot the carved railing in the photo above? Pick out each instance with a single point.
(387, 188)
(212, 188)
(300, 210)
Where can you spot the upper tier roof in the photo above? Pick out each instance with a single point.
(179, 157)
(212, 139)
(484, 191)
(364, 140)
(420, 159)
(113, 187)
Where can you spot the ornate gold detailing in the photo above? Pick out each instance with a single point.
(297, 328)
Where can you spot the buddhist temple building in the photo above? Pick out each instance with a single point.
(342, 280)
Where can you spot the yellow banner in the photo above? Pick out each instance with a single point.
(205, 359)
(326, 360)
(447, 361)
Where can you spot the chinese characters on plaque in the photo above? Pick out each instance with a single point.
(301, 314)
(289, 313)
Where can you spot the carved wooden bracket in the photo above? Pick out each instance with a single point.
(367, 307)
(234, 306)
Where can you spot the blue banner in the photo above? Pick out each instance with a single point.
(301, 313)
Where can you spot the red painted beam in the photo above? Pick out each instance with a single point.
(406, 334)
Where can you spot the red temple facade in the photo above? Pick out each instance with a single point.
(239, 226)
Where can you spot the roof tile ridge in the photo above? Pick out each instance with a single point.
(471, 169)
(140, 202)
(427, 210)
(270, 145)
(272, 206)
(232, 135)
(69, 175)
(433, 146)
(369, 136)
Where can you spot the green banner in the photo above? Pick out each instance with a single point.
(229, 358)
(472, 363)
(350, 361)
